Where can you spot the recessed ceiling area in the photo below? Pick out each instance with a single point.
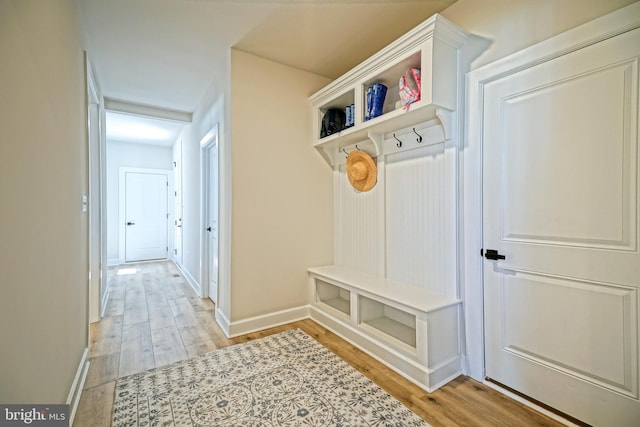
(130, 128)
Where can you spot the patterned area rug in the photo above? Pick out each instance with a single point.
(288, 379)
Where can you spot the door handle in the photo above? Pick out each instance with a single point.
(131, 223)
(492, 254)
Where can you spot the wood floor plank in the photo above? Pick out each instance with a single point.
(153, 279)
(115, 283)
(201, 304)
(106, 336)
(193, 334)
(207, 321)
(95, 406)
(135, 303)
(183, 312)
(160, 316)
(155, 297)
(172, 288)
(136, 353)
(167, 346)
(102, 369)
(201, 348)
(115, 306)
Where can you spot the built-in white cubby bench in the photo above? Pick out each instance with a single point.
(411, 330)
(393, 291)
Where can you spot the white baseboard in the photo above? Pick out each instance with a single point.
(173, 257)
(222, 321)
(190, 279)
(114, 261)
(258, 323)
(78, 384)
(465, 365)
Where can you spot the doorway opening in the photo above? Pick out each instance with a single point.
(139, 153)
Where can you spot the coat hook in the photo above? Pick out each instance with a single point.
(345, 151)
(419, 136)
(399, 144)
(357, 147)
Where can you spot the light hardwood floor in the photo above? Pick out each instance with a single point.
(154, 318)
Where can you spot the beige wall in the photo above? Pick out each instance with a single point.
(281, 188)
(512, 25)
(43, 306)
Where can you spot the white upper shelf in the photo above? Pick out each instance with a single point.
(432, 46)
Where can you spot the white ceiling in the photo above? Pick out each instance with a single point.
(167, 53)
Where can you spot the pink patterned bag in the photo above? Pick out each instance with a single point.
(409, 87)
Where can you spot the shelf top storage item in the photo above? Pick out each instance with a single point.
(433, 47)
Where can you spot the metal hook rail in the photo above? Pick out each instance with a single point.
(399, 144)
(345, 151)
(419, 139)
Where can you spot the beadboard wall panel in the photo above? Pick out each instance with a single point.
(359, 226)
(405, 228)
(415, 212)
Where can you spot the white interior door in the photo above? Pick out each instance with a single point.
(212, 226)
(145, 216)
(560, 203)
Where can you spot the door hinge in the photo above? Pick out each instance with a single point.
(167, 216)
(167, 249)
(175, 252)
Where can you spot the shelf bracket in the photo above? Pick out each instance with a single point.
(377, 139)
(326, 155)
(446, 118)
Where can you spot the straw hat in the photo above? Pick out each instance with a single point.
(361, 170)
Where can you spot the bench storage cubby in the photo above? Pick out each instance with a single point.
(413, 331)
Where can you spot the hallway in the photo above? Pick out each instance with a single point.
(154, 318)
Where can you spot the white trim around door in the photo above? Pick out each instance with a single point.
(208, 142)
(93, 201)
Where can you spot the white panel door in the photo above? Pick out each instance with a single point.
(560, 202)
(145, 216)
